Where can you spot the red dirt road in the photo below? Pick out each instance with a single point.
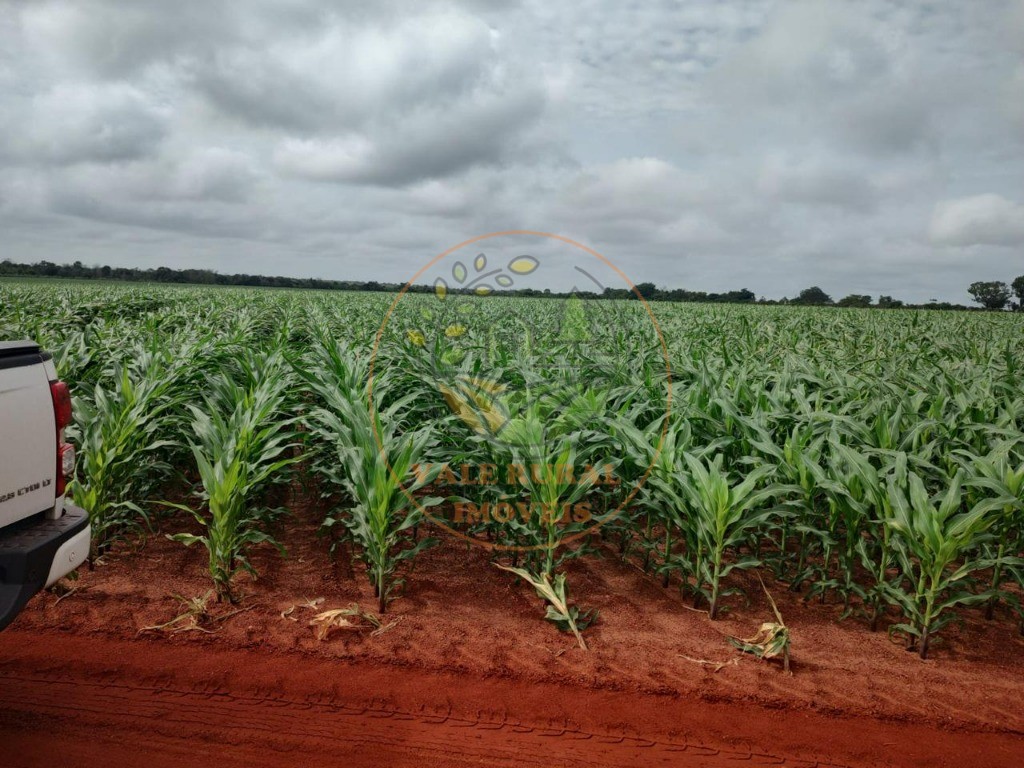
(470, 674)
(81, 701)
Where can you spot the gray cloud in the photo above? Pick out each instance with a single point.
(812, 183)
(870, 147)
(425, 143)
(79, 123)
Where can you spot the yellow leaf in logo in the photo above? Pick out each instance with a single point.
(523, 265)
(441, 288)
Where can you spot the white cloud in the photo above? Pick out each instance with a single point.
(349, 73)
(645, 189)
(978, 220)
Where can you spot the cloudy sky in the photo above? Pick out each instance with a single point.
(868, 147)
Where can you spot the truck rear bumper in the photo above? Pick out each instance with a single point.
(35, 553)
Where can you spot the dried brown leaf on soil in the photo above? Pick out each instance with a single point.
(196, 613)
(772, 639)
(352, 617)
(717, 666)
(311, 604)
(63, 591)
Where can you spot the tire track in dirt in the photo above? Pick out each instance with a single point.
(287, 726)
(67, 700)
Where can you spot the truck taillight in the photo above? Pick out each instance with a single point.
(65, 466)
(65, 453)
(61, 403)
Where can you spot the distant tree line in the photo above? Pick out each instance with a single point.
(990, 295)
(993, 295)
(79, 271)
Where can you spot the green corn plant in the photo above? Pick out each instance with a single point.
(365, 451)
(122, 431)
(719, 517)
(376, 466)
(553, 477)
(996, 474)
(657, 447)
(644, 450)
(866, 487)
(371, 454)
(567, 618)
(238, 453)
(935, 543)
(797, 462)
(663, 449)
(858, 507)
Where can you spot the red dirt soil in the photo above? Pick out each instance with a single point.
(470, 675)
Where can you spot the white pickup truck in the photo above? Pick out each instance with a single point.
(42, 538)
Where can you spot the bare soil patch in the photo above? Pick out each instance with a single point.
(467, 642)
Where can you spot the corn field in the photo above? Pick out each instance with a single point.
(869, 460)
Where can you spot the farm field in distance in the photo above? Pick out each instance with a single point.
(750, 524)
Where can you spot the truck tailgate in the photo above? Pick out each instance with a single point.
(28, 428)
